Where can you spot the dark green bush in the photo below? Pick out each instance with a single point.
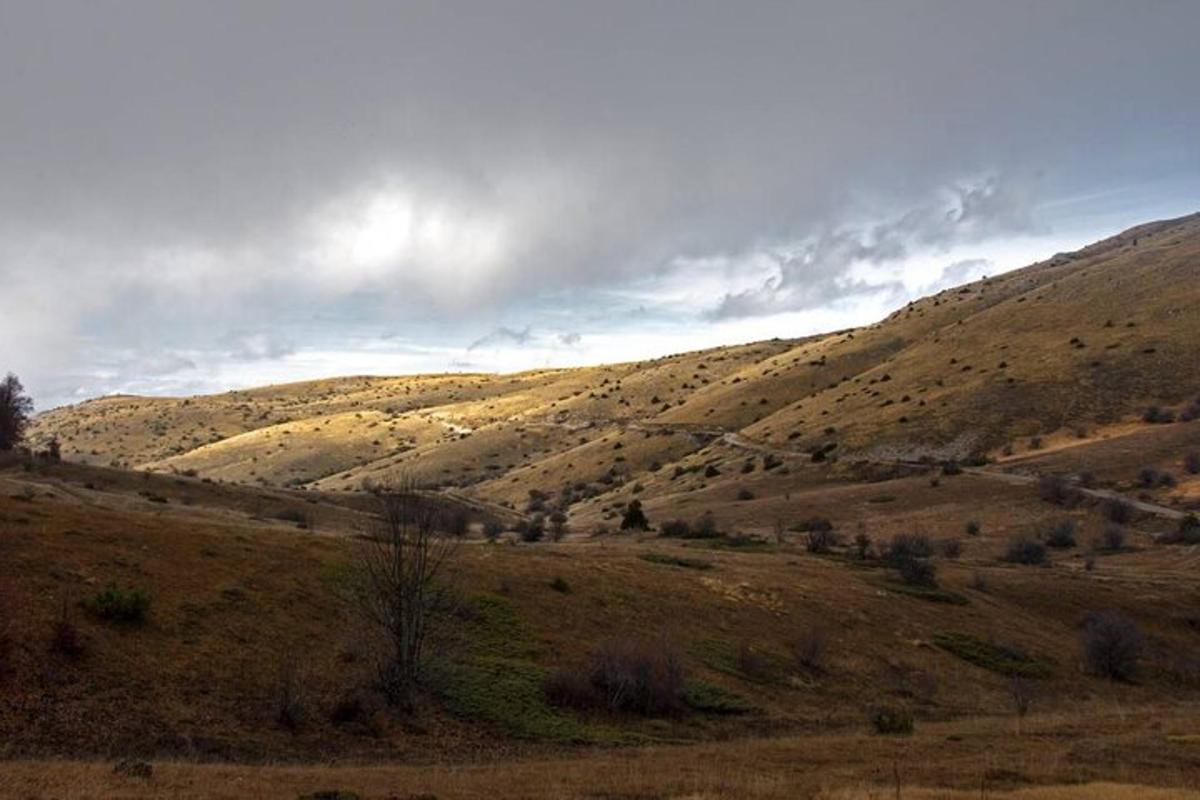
(1025, 550)
(1112, 646)
(1062, 535)
(635, 518)
(119, 605)
(891, 721)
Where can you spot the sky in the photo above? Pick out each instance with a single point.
(203, 196)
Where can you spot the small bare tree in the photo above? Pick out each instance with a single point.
(400, 596)
(1021, 690)
(15, 408)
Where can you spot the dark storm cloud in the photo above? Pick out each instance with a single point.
(174, 171)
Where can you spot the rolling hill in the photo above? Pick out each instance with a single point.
(998, 430)
(1080, 343)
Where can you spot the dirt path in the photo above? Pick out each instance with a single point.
(1017, 478)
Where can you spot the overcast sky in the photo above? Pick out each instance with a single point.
(200, 196)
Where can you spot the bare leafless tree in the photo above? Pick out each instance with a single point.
(400, 594)
(1021, 690)
(15, 408)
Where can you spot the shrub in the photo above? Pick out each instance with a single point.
(492, 530)
(635, 518)
(711, 471)
(1150, 478)
(642, 676)
(917, 572)
(1191, 463)
(1158, 415)
(813, 524)
(951, 548)
(1117, 510)
(1022, 691)
(1025, 550)
(705, 527)
(809, 650)
(560, 585)
(293, 515)
(1111, 645)
(745, 494)
(972, 528)
(570, 687)
(290, 709)
(863, 546)
(64, 637)
(907, 546)
(1056, 489)
(458, 524)
(820, 541)
(890, 721)
(1062, 535)
(951, 468)
(534, 529)
(1112, 538)
(558, 525)
(676, 529)
(118, 605)
(1188, 531)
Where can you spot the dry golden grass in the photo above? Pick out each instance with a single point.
(945, 761)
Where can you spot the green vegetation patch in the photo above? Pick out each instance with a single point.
(1005, 660)
(112, 603)
(930, 593)
(494, 679)
(676, 561)
(743, 661)
(741, 544)
(708, 698)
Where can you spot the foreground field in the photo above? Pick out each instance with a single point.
(1100, 752)
(244, 591)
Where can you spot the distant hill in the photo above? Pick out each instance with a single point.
(1083, 339)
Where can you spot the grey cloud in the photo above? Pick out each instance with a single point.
(819, 272)
(570, 339)
(256, 346)
(963, 271)
(501, 336)
(172, 169)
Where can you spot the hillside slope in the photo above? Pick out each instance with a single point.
(1079, 342)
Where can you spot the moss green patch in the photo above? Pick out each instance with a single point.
(932, 594)
(496, 680)
(750, 664)
(994, 657)
(708, 698)
(676, 561)
(343, 578)
(741, 544)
